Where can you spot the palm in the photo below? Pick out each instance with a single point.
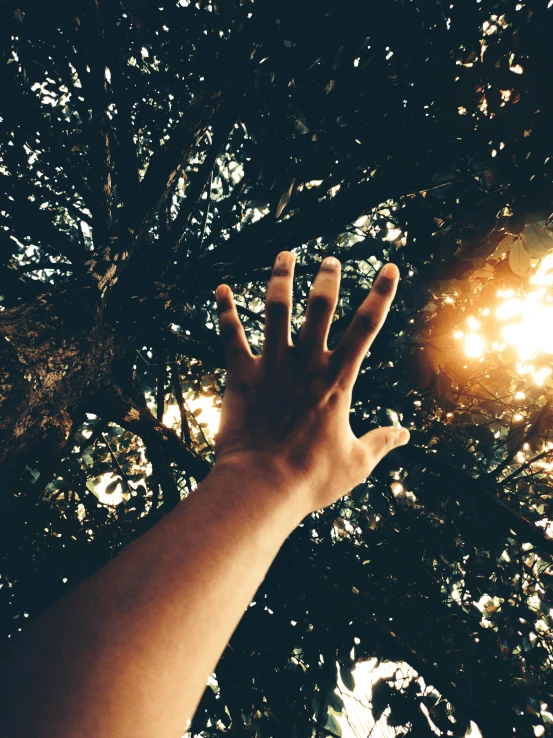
(291, 404)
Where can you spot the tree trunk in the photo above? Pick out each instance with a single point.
(55, 352)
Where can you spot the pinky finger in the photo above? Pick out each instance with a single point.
(235, 344)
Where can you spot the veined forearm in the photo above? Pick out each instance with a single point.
(128, 652)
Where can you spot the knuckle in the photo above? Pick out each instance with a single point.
(280, 271)
(320, 304)
(224, 305)
(239, 383)
(229, 331)
(367, 321)
(330, 268)
(277, 310)
(384, 286)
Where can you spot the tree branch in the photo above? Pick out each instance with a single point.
(523, 438)
(177, 389)
(197, 188)
(127, 180)
(101, 133)
(165, 168)
(117, 464)
(481, 490)
(202, 346)
(161, 442)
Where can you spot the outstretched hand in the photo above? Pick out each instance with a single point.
(287, 411)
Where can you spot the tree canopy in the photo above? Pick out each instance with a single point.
(152, 150)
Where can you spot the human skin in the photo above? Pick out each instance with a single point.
(127, 652)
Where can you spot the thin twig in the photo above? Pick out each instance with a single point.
(118, 465)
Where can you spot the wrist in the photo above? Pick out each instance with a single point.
(265, 481)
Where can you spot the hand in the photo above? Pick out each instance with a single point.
(287, 411)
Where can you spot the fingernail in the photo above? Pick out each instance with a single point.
(389, 270)
(403, 435)
(284, 258)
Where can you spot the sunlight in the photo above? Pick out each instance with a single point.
(474, 345)
(209, 414)
(525, 318)
(107, 498)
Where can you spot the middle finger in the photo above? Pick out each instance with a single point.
(321, 305)
(278, 309)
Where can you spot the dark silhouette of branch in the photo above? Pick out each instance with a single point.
(125, 155)
(179, 397)
(483, 491)
(523, 438)
(100, 182)
(165, 168)
(118, 465)
(162, 444)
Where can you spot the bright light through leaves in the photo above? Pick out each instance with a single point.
(524, 324)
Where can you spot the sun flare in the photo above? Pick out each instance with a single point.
(527, 324)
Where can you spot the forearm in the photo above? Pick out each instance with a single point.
(129, 650)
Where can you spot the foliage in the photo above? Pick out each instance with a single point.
(189, 143)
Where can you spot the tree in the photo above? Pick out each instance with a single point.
(149, 152)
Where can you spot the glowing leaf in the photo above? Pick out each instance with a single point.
(537, 240)
(284, 199)
(520, 260)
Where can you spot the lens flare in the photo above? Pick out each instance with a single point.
(527, 324)
(531, 317)
(474, 345)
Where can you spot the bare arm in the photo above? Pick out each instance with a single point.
(127, 653)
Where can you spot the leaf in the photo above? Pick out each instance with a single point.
(482, 434)
(380, 698)
(335, 701)
(197, 412)
(300, 125)
(485, 272)
(423, 366)
(443, 384)
(515, 436)
(333, 725)
(457, 371)
(445, 322)
(443, 177)
(284, 198)
(453, 268)
(112, 486)
(347, 677)
(520, 260)
(537, 240)
(502, 248)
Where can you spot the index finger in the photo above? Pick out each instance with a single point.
(347, 357)
(231, 331)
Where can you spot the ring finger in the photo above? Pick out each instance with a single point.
(321, 305)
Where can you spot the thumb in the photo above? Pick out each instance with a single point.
(381, 441)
